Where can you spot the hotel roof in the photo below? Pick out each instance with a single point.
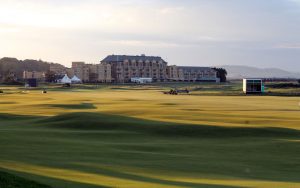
(121, 58)
(188, 68)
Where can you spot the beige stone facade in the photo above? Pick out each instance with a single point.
(174, 73)
(198, 74)
(92, 72)
(104, 73)
(123, 68)
(33, 74)
(78, 68)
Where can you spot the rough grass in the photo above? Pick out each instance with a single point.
(133, 139)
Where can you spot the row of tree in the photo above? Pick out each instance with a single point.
(12, 69)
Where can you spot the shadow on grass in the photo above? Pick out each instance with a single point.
(108, 177)
(13, 117)
(35, 179)
(8, 103)
(11, 181)
(98, 121)
(146, 179)
(74, 106)
(84, 122)
(168, 104)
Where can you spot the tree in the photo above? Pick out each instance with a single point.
(222, 74)
(50, 76)
(299, 81)
(9, 77)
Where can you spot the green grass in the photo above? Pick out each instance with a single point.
(143, 138)
(11, 181)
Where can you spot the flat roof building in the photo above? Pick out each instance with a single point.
(253, 85)
(199, 74)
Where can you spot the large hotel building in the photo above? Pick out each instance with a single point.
(122, 68)
(126, 67)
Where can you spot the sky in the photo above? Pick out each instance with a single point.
(261, 33)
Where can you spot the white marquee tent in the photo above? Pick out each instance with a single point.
(75, 79)
(65, 80)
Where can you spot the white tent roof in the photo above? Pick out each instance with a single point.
(75, 79)
(66, 80)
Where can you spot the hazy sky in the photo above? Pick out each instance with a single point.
(263, 33)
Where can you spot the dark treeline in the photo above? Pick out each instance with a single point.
(15, 67)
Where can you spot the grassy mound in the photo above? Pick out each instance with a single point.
(96, 121)
(12, 181)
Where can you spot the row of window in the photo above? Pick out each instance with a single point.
(201, 74)
(142, 64)
(141, 70)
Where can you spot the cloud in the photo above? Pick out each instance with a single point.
(6, 28)
(288, 46)
(144, 43)
(295, 1)
(63, 30)
(171, 10)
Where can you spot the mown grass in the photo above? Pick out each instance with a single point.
(138, 138)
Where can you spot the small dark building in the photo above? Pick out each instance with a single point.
(32, 82)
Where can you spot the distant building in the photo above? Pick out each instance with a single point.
(124, 67)
(174, 73)
(92, 72)
(32, 82)
(104, 73)
(34, 75)
(81, 71)
(253, 86)
(198, 74)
